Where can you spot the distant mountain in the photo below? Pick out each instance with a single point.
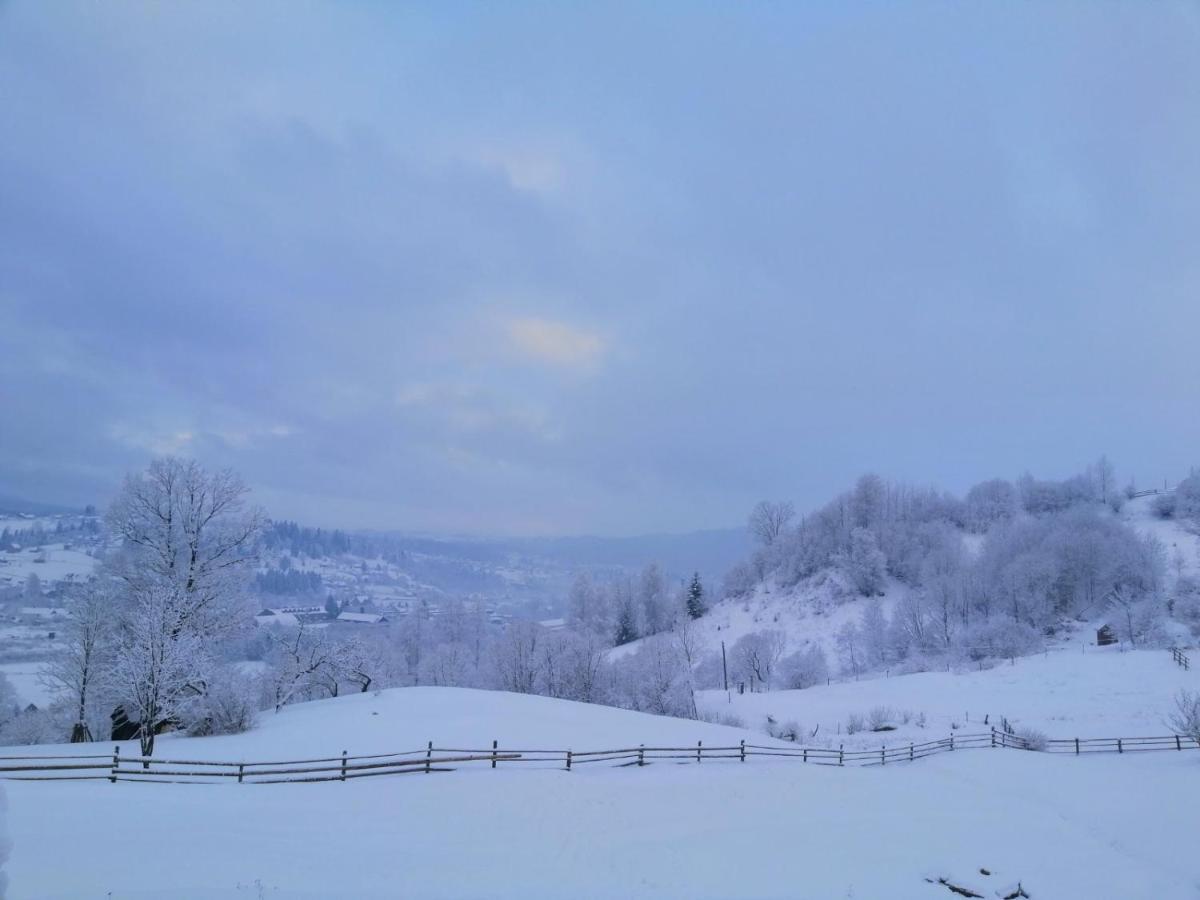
(13, 506)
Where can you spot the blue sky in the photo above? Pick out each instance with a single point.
(564, 268)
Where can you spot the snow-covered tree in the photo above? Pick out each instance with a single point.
(188, 544)
(769, 519)
(81, 670)
(695, 597)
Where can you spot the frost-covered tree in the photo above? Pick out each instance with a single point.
(990, 502)
(756, 655)
(695, 597)
(188, 544)
(768, 520)
(864, 563)
(652, 598)
(82, 669)
(804, 668)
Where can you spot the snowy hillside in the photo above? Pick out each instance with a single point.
(1083, 692)
(980, 819)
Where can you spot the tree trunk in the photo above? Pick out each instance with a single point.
(146, 738)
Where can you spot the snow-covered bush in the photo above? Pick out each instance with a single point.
(1185, 718)
(882, 718)
(1164, 506)
(1003, 638)
(855, 723)
(229, 704)
(804, 668)
(1033, 739)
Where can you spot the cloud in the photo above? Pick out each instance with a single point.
(555, 343)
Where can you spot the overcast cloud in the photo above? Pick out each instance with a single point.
(560, 268)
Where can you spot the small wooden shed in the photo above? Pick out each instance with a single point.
(1105, 636)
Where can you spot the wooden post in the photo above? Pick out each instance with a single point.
(1178, 746)
(495, 744)
(1076, 746)
(993, 737)
(698, 751)
(568, 760)
(116, 763)
(429, 754)
(841, 754)
(882, 755)
(805, 757)
(743, 749)
(241, 771)
(1119, 750)
(952, 740)
(910, 752)
(343, 765)
(641, 754)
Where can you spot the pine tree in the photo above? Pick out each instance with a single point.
(695, 597)
(626, 624)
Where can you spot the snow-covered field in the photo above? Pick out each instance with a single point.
(1064, 693)
(1064, 827)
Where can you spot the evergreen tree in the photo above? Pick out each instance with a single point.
(695, 597)
(332, 608)
(626, 623)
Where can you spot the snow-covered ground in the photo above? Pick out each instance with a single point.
(1065, 693)
(1066, 828)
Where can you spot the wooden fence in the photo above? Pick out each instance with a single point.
(114, 767)
(1181, 658)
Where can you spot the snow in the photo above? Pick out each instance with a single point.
(1066, 693)
(1064, 827)
(1117, 826)
(26, 679)
(59, 564)
(1139, 514)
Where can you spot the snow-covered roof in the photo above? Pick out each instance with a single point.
(362, 618)
(274, 617)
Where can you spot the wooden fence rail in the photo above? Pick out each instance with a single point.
(1181, 658)
(115, 767)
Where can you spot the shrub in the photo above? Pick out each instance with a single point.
(1185, 719)
(854, 723)
(1034, 739)
(228, 706)
(882, 718)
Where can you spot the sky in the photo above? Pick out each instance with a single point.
(547, 269)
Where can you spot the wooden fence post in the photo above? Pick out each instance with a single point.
(743, 749)
(641, 754)
(429, 754)
(698, 743)
(495, 744)
(568, 760)
(1119, 749)
(882, 755)
(1076, 746)
(910, 752)
(841, 754)
(805, 757)
(993, 737)
(343, 765)
(1178, 746)
(952, 740)
(116, 763)
(241, 771)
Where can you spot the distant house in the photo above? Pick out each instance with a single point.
(1105, 636)
(553, 624)
(277, 618)
(362, 618)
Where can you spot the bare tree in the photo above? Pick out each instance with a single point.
(767, 520)
(81, 667)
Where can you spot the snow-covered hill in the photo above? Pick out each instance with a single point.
(983, 819)
(1082, 691)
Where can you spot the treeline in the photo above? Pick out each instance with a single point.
(991, 574)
